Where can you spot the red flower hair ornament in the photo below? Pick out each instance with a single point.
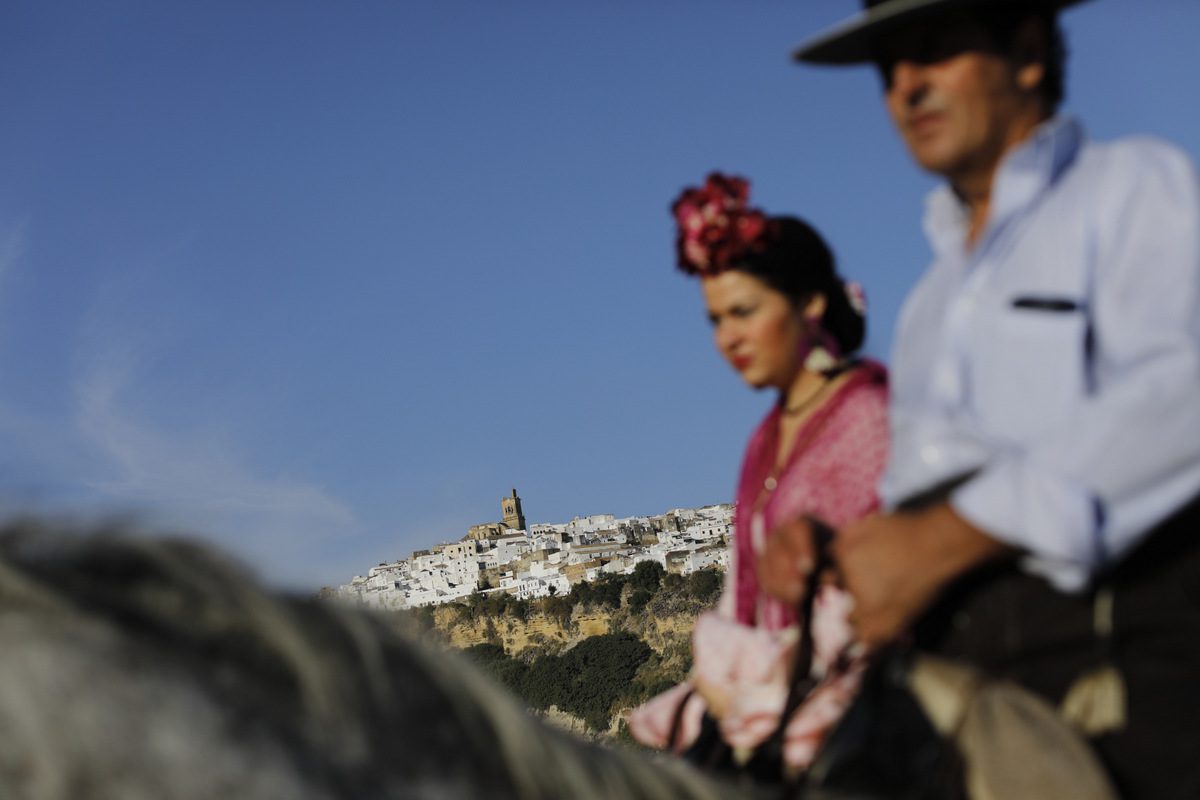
(717, 228)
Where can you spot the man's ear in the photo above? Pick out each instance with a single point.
(1030, 52)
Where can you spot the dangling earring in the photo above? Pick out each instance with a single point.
(823, 353)
(819, 360)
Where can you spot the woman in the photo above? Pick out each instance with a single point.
(785, 321)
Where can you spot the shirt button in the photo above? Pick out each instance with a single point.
(769, 484)
(931, 455)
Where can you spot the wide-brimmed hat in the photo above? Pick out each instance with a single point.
(852, 41)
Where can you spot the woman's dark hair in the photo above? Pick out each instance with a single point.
(798, 263)
(717, 230)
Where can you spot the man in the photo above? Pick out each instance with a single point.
(1046, 389)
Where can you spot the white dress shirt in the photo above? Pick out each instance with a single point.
(1060, 357)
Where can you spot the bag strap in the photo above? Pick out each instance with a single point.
(802, 678)
(677, 721)
(806, 649)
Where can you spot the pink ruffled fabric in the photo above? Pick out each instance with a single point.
(650, 723)
(743, 652)
(741, 676)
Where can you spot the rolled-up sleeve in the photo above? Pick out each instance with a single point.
(1083, 493)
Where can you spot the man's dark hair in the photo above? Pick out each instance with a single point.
(1001, 26)
(1005, 24)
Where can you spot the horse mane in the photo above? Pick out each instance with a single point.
(141, 667)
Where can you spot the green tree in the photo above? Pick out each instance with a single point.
(559, 608)
(493, 636)
(638, 599)
(647, 575)
(607, 590)
(602, 669)
(704, 585)
(494, 604)
(516, 607)
(547, 682)
(492, 660)
(485, 653)
(582, 593)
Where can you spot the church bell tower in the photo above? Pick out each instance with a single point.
(513, 516)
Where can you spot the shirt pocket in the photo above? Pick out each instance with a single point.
(1030, 376)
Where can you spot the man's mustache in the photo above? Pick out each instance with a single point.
(919, 106)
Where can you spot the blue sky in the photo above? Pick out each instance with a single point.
(322, 282)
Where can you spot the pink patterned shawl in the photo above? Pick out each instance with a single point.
(742, 650)
(831, 474)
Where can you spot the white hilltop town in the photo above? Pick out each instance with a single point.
(545, 559)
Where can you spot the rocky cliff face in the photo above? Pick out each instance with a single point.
(663, 632)
(580, 661)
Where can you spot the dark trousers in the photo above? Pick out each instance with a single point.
(1017, 626)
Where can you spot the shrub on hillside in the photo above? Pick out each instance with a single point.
(647, 575)
(586, 680)
(505, 669)
(601, 670)
(547, 682)
(608, 590)
(662, 671)
(704, 585)
(638, 599)
(601, 673)
(559, 608)
(516, 607)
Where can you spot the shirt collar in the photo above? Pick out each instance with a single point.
(1023, 175)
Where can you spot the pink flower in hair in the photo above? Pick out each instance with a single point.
(716, 225)
(857, 297)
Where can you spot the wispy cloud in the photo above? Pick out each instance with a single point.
(99, 445)
(201, 482)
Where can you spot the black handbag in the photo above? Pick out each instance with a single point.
(884, 746)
